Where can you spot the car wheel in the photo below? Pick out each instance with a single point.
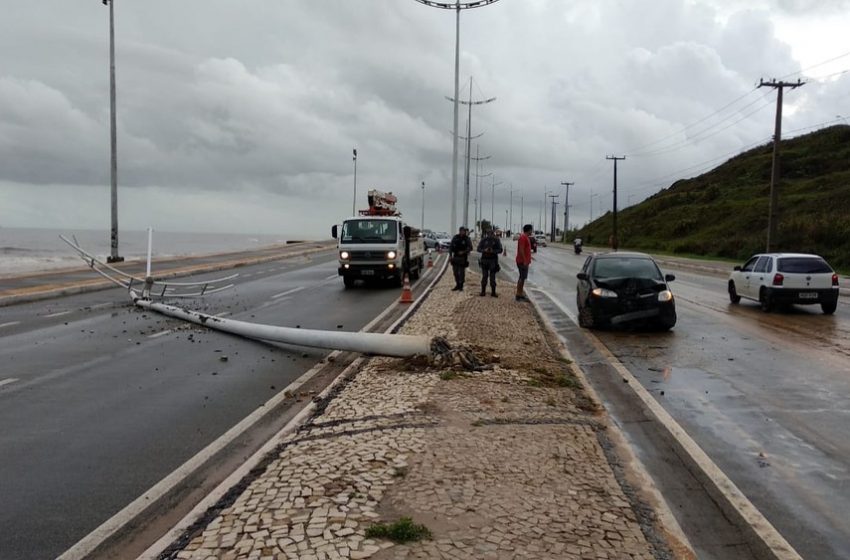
(828, 308)
(348, 281)
(585, 318)
(733, 293)
(766, 301)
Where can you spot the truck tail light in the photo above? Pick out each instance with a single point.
(778, 279)
(834, 279)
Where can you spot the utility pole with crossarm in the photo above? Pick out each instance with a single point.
(774, 170)
(614, 241)
(566, 208)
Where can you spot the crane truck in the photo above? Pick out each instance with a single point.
(377, 245)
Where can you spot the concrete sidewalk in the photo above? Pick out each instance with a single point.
(516, 461)
(56, 283)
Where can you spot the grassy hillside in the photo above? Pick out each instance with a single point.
(723, 213)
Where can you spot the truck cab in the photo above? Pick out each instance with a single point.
(372, 247)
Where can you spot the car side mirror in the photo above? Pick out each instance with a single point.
(581, 276)
(737, 269)
(669, 277)
(334, 231)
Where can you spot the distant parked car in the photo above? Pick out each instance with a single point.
(785, 278)
(430, 240)
(443, 241)
(541, 240)
(623, 288)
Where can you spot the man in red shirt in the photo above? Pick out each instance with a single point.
(523, 260)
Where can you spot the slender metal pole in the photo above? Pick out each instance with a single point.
(354, 201)
(468, 155)
(566, 208)
(456, 104)
(113, 256)
(150, 251)
(423, 206)
(511, 218)
(493, 201)
(521, 209)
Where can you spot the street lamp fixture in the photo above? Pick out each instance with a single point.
(457, 6)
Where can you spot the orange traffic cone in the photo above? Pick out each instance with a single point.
(430, 260)
(406, 294)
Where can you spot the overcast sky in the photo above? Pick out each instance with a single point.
(241, 116)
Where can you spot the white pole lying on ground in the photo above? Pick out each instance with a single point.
(395, 345)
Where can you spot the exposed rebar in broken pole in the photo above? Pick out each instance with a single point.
(394, 345)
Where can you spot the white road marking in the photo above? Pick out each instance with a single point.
(58, 314)
(9, 324)
(222, 314)
(100, 306)
(7, 381)
(159, 334)
(331, 276)
(248, 275)
(286, 293)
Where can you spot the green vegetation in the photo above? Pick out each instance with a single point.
(402, 531)
(723, 213)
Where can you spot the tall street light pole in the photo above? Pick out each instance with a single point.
(566, 208)
(592, 196)
(521, 210)
(614, 241)
(421, 227)
(511, 219)
(468, 139)
(354, 201)
(493, 199)
(113, 136)
(478, 176)
(457, 6)
(553, 225)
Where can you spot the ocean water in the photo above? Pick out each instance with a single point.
(25, 250)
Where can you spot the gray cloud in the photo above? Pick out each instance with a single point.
(252, 109)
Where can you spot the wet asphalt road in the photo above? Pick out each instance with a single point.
(767, 396)
(99, 400)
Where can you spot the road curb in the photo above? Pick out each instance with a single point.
(762, 536)
(89, 286)
(669, 524)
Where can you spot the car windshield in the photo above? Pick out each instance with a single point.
(803, 265)
(626, 267)
(369, 231)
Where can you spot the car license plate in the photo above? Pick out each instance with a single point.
(367, 272)
(808, 295)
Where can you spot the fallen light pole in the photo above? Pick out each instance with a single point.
(396, 345)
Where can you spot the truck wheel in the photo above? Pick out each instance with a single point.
(348, 281)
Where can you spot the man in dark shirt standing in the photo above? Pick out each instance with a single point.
(459, 251)
(490, 247)
(523, 260)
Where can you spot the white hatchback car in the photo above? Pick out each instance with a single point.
(785, 278)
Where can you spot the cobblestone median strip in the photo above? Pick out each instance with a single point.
(510, 462)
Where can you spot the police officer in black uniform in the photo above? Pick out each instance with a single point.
(459, 251)
(490, 248)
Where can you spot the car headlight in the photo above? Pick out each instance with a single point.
(602, 292)
(665, 295)
(391, 254)
(344, 255)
